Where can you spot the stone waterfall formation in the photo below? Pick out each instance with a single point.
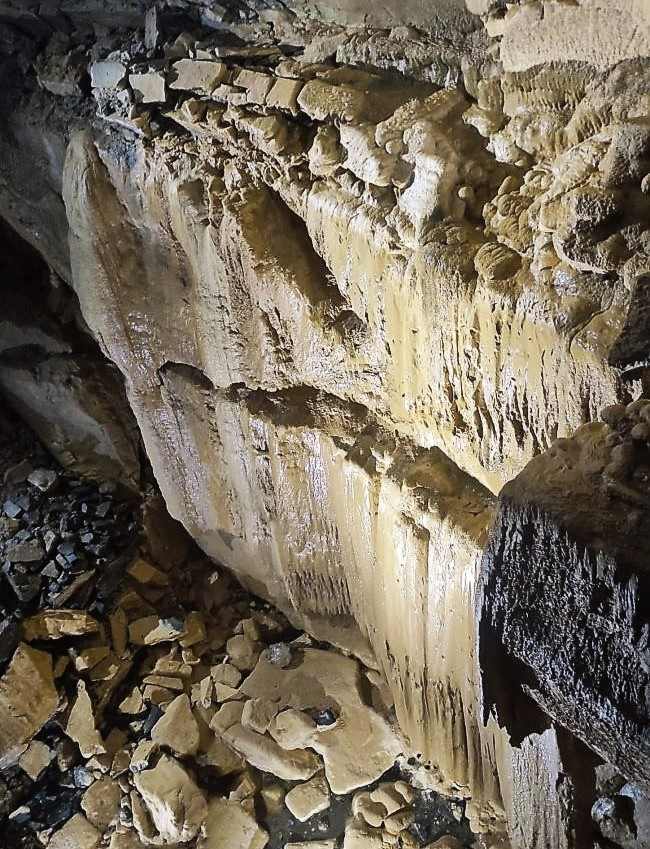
(372, 280)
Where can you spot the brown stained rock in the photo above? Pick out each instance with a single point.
(243, 652)
(77, 833)
(258, 714)
(145, 573)
(37, 758)
(101, 802)
(81, 724)
(264, 753)
(284, 94)
(174, 803)
(152, 630)
(312, 797)
(229, 826)
(28, 699)
(319, 679)
(222, 757)
(226, 673)
(177, 728)
(228, 715)
(56, 624)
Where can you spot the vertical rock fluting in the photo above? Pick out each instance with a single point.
(348, 307)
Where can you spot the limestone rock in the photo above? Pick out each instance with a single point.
(312, 797)
(107, 74)
(177, 728)
(243, 652)
(37, 758)
(77, 833)
(229, 826)
(101, 802)
(28, 699)
(265, 754)
(56, 624)
(81, 724)
(149, 87)
(198, 75)
(258, 714)
(173, 801)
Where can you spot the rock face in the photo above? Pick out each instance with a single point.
(349, 306)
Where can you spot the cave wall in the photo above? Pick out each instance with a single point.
(349, 306)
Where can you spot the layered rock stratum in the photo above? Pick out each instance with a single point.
(359, 269)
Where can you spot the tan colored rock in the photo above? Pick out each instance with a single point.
(151, 630)
(265, 754)
(228, 715)
(119, 631)
(256, 83)
(149, 87)
(195, 631)
(293, 729)
(81, 724)
(226, 673)
(77, 833)
(389, 796)
(229, 826)
(177, 728)
(399, 821)
(55, 624)
(101, 802)
(28, 699)
(322, 101)
(284, 94)
(198, 75)
(107, 74)
(258, 714)
(173, 801)
(36, 758)
(222, 757)
(358, 835)
(145, 573)
(272, 796)
(373, 812)
(142, 754)
(89, 658)
(243, 652)
(312, 797)
(133, 703)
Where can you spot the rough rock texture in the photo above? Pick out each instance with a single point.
(349, 305)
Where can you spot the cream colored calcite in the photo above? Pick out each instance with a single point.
(342, 337)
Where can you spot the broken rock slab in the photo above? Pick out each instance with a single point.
(37, 758)
(230, 826)
(55, 624)
(149, 87)
(312, 797)
(177, 728)
(175, 804)
(81, 724)
(28, 699)
(198, 75)
(264, 753)
(77, 833)
(101, 802)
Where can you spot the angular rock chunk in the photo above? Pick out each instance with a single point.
(173, 801)
(28, 699)
(81, 725)
(101, 802)
(177, 728)
(265, 754)
(229, 826)
(77, 833)
(149, 87)
(37, 757)
(107, 74)
(198, 75)
(55, 624)
(312, 797)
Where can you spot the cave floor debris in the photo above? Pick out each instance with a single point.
(147, 699)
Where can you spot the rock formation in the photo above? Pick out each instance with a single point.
(359, 273)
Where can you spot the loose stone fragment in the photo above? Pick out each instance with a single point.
(389, 796)
(284, 94)
(292, 729)
(30, 551)
(101, 802)
(372, 812)
(142, 755)
(107, 74)
(229, 826)
(37, 758)
(81, 725)
(265, 754)
(133, 703)
(28, 699)
(151, 630)
(174, 802)
(43, 479)
(243, 652)
(227, 716)
(258, 714)
(309, 798)
(226, 673)
(77, 833)
(178, 728)
(145, 573)
(55, 624)
(198, 75)
(222, 757)
(149, 87)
